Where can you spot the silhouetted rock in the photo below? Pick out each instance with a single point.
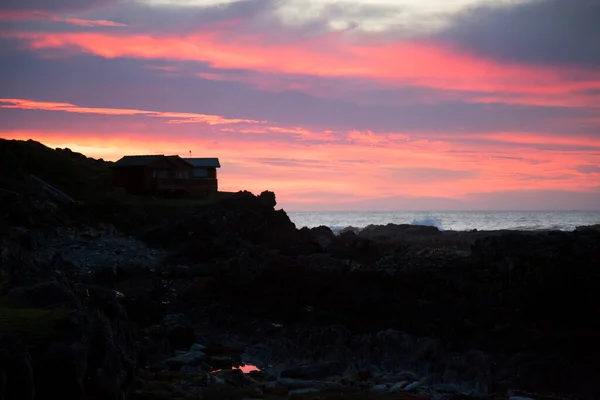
(480, 312)
(267, 198)
(44, 294)
(179, 331)
(16, 370)
(324, 235)
(320, 371)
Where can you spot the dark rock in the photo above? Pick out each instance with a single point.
(323, 235)
(44, 294)
(267, 198)
(235, 377)
(16, 370)
(224, 362)
(314, 371)
(350, 246)
(189, 358)
(179, 331)
(68, 362)
(89, 350)
(394, 231)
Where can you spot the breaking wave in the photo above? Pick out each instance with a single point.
(428, 221)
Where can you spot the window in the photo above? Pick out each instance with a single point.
(160, 173)
(200, 173)
(183, 175)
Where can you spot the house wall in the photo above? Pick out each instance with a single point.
(205, 180)
(165, 175)
(204, 172)
(133, 179)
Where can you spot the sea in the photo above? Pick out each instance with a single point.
(450, 220)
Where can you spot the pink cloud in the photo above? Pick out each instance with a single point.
(24, 15)
(393, 63)
(174, 117)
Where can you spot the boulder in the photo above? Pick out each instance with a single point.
(235, 377)
(179, 331)
(267, 199)
(324, 235)
(314, 371)
(44, 294)
(16, 370)
(189, 358)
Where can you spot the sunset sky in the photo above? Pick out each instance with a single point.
(332, 104)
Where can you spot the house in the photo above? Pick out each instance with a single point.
(205, 171)
(166, 175)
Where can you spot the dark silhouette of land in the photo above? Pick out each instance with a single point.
(107, 295)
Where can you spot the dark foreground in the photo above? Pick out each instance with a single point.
(102, 300)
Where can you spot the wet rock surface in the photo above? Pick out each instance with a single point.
(136, 302)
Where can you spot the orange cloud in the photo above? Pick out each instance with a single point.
(12, 15)
(175, 117)
(387, 62)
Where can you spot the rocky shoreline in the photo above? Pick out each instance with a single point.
(113, 301)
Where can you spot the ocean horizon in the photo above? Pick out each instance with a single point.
(449, 220)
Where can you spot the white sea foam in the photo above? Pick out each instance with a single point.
(428, 221)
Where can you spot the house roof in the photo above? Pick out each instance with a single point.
(204, 162)
(137, 161)
(146, 160)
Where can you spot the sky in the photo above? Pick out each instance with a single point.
(332, 104)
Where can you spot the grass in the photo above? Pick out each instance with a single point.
(31, 325)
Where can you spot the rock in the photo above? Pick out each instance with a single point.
(44, 294)
(193, 370)
(396, 387)
(16, 370)
(235, 377)
(179, 331)
(267, 198)
(218, 350)
(324, 235)
(364, 375)
(198, 347)
(444, 388)
(276, 390)
(314, 371)
(412, 386)
(261, 376)
(190, 358)
(394, 231)
(520, 398)
(302, 384)
(221, 362)
(588, 228)
(299, 392)
(379, 388)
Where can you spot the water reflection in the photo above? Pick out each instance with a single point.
(245, 368)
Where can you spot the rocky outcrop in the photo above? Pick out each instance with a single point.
(79, 342)
(156, 294)
(16, 370)
(231, 226)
